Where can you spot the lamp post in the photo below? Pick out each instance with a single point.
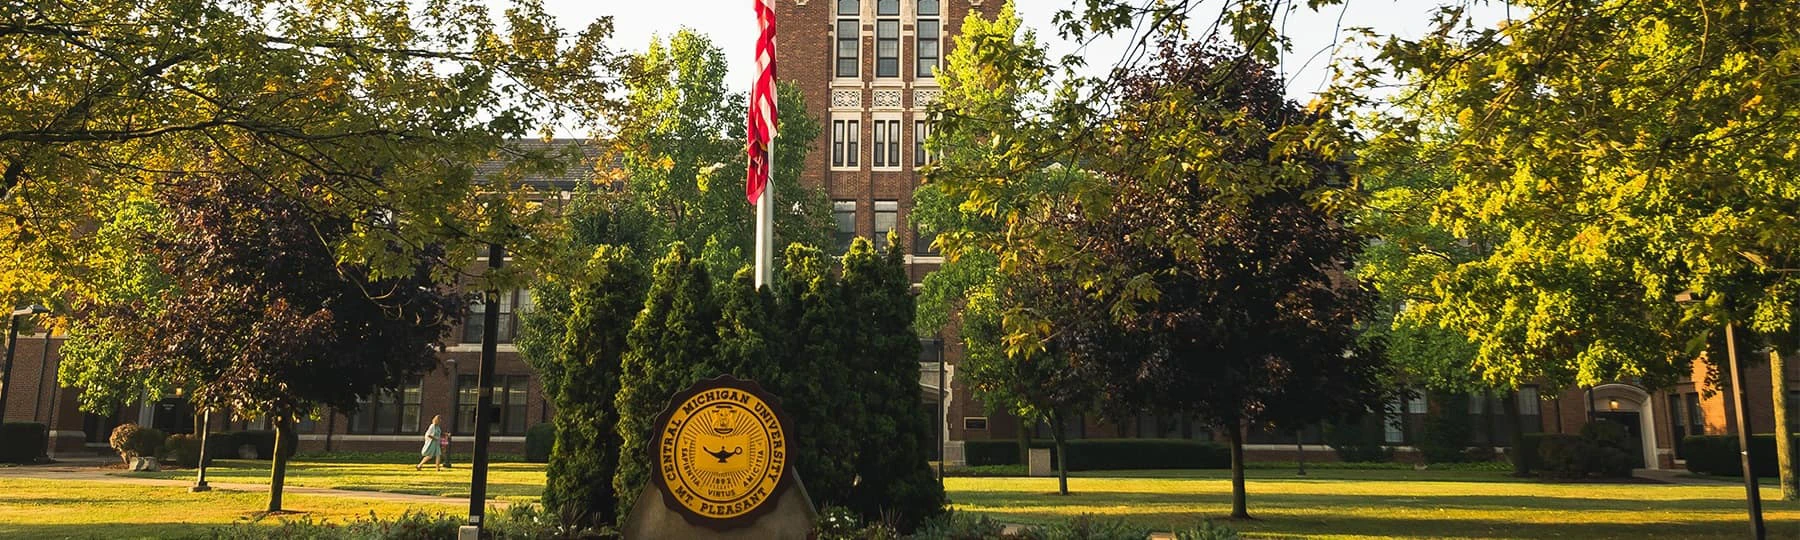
(1740, 400)
(12, 342)
(484, 380)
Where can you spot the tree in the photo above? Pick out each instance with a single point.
(672, 344)
(1624, 152)
(583, 384)
(816, 377)
(680, 149)
(395, 105)
(897, 482)
(258, 316)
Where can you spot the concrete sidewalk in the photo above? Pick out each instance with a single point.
(88, 470)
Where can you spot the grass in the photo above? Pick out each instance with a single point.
(1384, 504)
(32, 508)
(506, 481)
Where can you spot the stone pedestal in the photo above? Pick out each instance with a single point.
(792, 517)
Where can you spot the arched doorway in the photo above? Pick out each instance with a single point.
(1632, 407)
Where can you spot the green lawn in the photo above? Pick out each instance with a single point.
(506, 481)
(1328, 503)
(76, 509)
(1385, 503)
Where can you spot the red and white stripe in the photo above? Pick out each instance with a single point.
(761, 133)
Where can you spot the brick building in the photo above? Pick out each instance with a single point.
(865, 70)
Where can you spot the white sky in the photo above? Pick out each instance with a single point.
(732, 25)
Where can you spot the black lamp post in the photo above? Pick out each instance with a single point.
(12, 342)
(484, 379)
(1740, 401)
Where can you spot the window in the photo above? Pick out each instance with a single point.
(509, 398)
(512, 304)
(844, 212)
(887, 144)
(1528, 400)
(887, 213)
(389, 411)
(1677, 426)
(925, 47)
(1394, 423)
(887, 8)
(1415, 403)
(1696, 415)
(848, 43)
(887, 47)
(845, 134)
(921, 130)
(975, 423)
(922, 243)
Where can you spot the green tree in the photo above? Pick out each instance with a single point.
(259, 317)
(680, 147)
(394, 102)
(672, 344)
(816, 378)
(897, 482)
(583, 384)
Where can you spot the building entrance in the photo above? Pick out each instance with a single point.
(1633, 426)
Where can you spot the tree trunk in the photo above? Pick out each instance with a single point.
(1062, 454)
(1239, 504)
(1515, 423)
(278, 471)
(1784, 439)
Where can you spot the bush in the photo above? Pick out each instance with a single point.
(538, 442)
(953, 525)
(1615, 451)
(1356, 442)
(1208, 531)
(1718, 455)
(132, 440)
(1114, 454)
(1092, 527)
(519, 521)
(23, 442)
(1447, 430)
(1563, 456)
(184, 449)
(978, 453)
(1604, 448)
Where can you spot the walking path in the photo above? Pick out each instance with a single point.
(89, 470)
(1672, 476)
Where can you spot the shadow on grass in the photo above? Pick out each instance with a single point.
(1486, 516)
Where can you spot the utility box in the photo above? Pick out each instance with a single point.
(1039, 465)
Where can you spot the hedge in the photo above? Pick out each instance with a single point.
(1718, 454)
(1603, 448)
(1110, 454)
(538, 442)
(23, 442)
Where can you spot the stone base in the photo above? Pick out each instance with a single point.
(792, 517)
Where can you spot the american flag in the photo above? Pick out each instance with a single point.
(762, 104)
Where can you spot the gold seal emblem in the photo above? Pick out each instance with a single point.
(721, 451)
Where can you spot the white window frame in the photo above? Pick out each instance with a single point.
(886, 129)
(846, 143)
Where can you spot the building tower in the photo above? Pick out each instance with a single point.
(866, 70)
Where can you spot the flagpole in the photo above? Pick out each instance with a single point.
(765, 225)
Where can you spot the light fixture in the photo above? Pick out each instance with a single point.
(1612, 404)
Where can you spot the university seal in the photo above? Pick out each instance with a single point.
(721, 452)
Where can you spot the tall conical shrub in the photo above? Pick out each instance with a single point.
(897, 482)
(672, 345)
(579, 481)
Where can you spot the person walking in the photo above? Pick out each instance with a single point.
(434, 445)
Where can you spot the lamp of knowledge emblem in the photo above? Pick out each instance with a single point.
(721, 452)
